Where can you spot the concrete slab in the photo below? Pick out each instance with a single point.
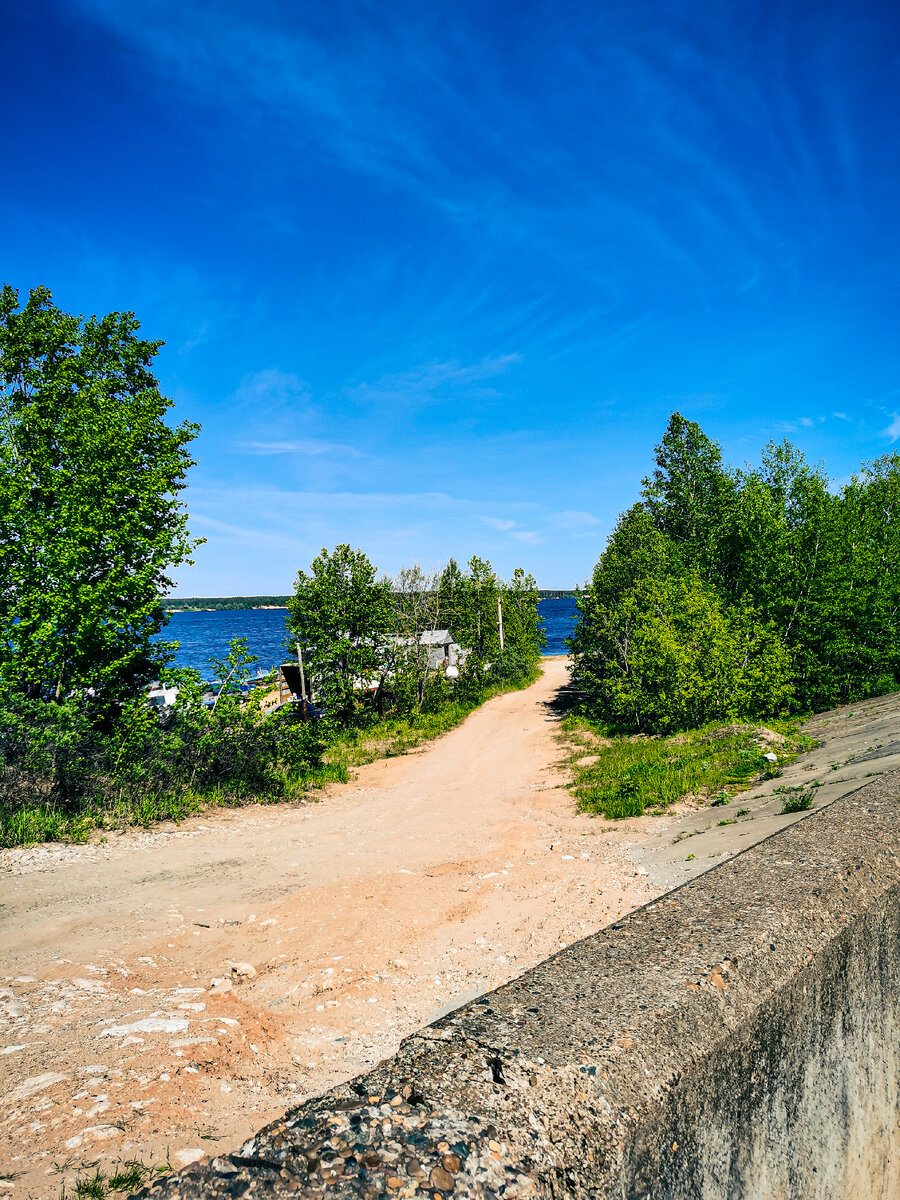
(857, 743)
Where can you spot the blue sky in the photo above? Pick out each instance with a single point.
(432, 275)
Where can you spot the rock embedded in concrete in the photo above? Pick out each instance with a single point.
(737, 1037)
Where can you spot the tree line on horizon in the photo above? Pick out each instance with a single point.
(239, 603)
(750, 592)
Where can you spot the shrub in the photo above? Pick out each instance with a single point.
(668, 655)
(64, 771)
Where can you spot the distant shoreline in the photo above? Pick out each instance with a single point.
(228, 608)
(244, 603)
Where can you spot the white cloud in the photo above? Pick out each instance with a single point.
(531, 537)
(197, 340)
(498, 523)
(574, 519)
(841, 416)
(893, 430)
(303, 446)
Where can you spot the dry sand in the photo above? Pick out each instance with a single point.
(333, 928)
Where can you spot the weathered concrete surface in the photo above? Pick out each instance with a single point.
(856, 743)
(738, 1038)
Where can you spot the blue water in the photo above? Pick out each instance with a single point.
(559, 617)
(202, 634)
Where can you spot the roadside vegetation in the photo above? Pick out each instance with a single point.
(627, 775)
(729, 595)
(90, 475)
(742, 594)
(126, 1177)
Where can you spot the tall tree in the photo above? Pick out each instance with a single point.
(342, 615)
(417, 599)
(90, 476)
(523, 630)
(451, 597)
(690, 496)
(777, 549)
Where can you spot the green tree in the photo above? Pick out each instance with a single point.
(234, 669)
(90, 476)
(417, 613)
(775, 543)
(668, 655)
(690, 496)
(867, 607)
(342, 615)
(784, 527)
(452, 599)
(523, 630)
(477, 619)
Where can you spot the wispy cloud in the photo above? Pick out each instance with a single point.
(433, 381)
(893, 430)
(264, 389)
(575, 520)
(796, 424)
(310, 446)
(197, 340)
(499, 523)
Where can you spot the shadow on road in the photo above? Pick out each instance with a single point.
(563, 701)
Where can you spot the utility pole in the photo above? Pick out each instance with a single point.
(302, 676)
(500, 620)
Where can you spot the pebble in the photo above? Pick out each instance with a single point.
(188, 1156)
(147, 1025)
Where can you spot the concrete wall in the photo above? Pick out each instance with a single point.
(738, 1038)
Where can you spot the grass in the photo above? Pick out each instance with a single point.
(634, 774)
(128, 1176)
(48, 823)
(798, 799)
(30, 824)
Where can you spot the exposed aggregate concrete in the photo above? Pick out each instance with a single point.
(736, 1038)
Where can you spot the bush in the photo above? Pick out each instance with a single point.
(784, 568)
(64, 771)
(668, 655)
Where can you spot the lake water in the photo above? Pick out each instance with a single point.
(202, 634)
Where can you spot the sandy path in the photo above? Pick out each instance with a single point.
(427, 880)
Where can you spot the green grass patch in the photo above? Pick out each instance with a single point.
(632, 774)
(798, 799)
(30, 824)
(125, 1177)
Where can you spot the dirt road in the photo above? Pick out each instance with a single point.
(167, 992)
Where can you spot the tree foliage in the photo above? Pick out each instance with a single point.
(729, 593)
(669, 655)
(90, 480)
(341, 613)
(365, 641)
(60, 771)
(90, 476)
